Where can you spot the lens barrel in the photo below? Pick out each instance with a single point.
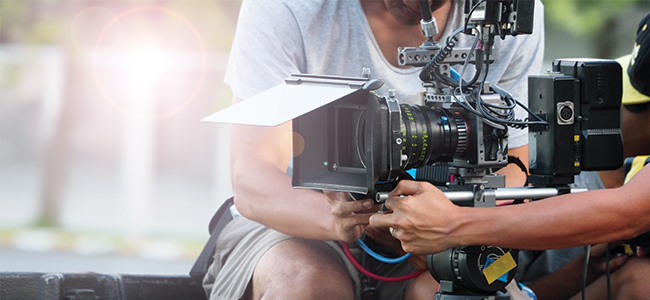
(431, 135)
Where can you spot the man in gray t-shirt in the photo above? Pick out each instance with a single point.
(277, 248)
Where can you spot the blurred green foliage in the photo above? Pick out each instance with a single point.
(48, 22)
(602, 24)
(587, 17)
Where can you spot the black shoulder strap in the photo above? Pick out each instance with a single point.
(218, 222)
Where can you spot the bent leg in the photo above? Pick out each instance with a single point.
(300, 269)
(629, 282)
(421, 288)
(634, 282)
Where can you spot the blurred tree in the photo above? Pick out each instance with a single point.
(56, 166)
(20, 23)
(595, 19)
(36, 22)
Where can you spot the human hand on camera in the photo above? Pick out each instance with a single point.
(598, 262)
(421, 217)
(350, 216)
(383, 237)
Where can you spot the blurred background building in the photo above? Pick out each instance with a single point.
(102, 150)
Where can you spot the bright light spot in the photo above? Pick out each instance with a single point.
(292, 144)
(145, 66)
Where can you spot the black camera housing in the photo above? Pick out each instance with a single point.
(331, 159)
(362, 143)
(580, 99)
(508, 17)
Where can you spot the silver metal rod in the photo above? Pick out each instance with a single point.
(510, 193)
(498, 194)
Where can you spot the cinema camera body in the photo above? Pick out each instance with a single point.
(360, 142)
(364, 142)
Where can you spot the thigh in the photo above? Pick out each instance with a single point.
(628, 282)
(632, 280)
(240, 246)
(300, 269)
(422, 287)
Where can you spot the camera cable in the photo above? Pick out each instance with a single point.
(381, 258)
(361, 269)
(607, 272)
(585, 270)
(469, 15)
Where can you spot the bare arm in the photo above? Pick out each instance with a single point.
(263, 192)
(427, 222)
(592, 217)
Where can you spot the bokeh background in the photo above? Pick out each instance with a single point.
(104, 163)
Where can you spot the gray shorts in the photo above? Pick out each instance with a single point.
(243, 242)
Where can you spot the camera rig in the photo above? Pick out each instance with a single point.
(358, 141)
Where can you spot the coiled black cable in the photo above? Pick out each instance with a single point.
(428, 72)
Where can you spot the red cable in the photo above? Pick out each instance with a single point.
(504, 203)
(375, 276)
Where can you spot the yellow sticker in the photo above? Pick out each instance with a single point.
(499, 267)
(628, 249)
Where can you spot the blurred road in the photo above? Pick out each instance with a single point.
(16, 260)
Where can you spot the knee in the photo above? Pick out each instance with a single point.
(631, 281)
(300, 271)
(320, 281)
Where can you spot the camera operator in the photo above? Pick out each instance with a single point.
(557, 274)
(426, 222)
(287, 244)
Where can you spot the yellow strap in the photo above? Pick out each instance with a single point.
(637, 164)
(499, 267)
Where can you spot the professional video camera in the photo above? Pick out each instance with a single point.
(370, 138)
(360, 142)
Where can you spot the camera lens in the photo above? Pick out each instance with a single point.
(431, 135)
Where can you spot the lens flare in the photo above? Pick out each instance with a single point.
(292, 143)
(89, 23)
(143, 57)
(146, 65)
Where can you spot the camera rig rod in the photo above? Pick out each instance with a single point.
(532, 193)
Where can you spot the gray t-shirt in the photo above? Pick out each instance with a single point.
(534, 265)
(276, 38)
